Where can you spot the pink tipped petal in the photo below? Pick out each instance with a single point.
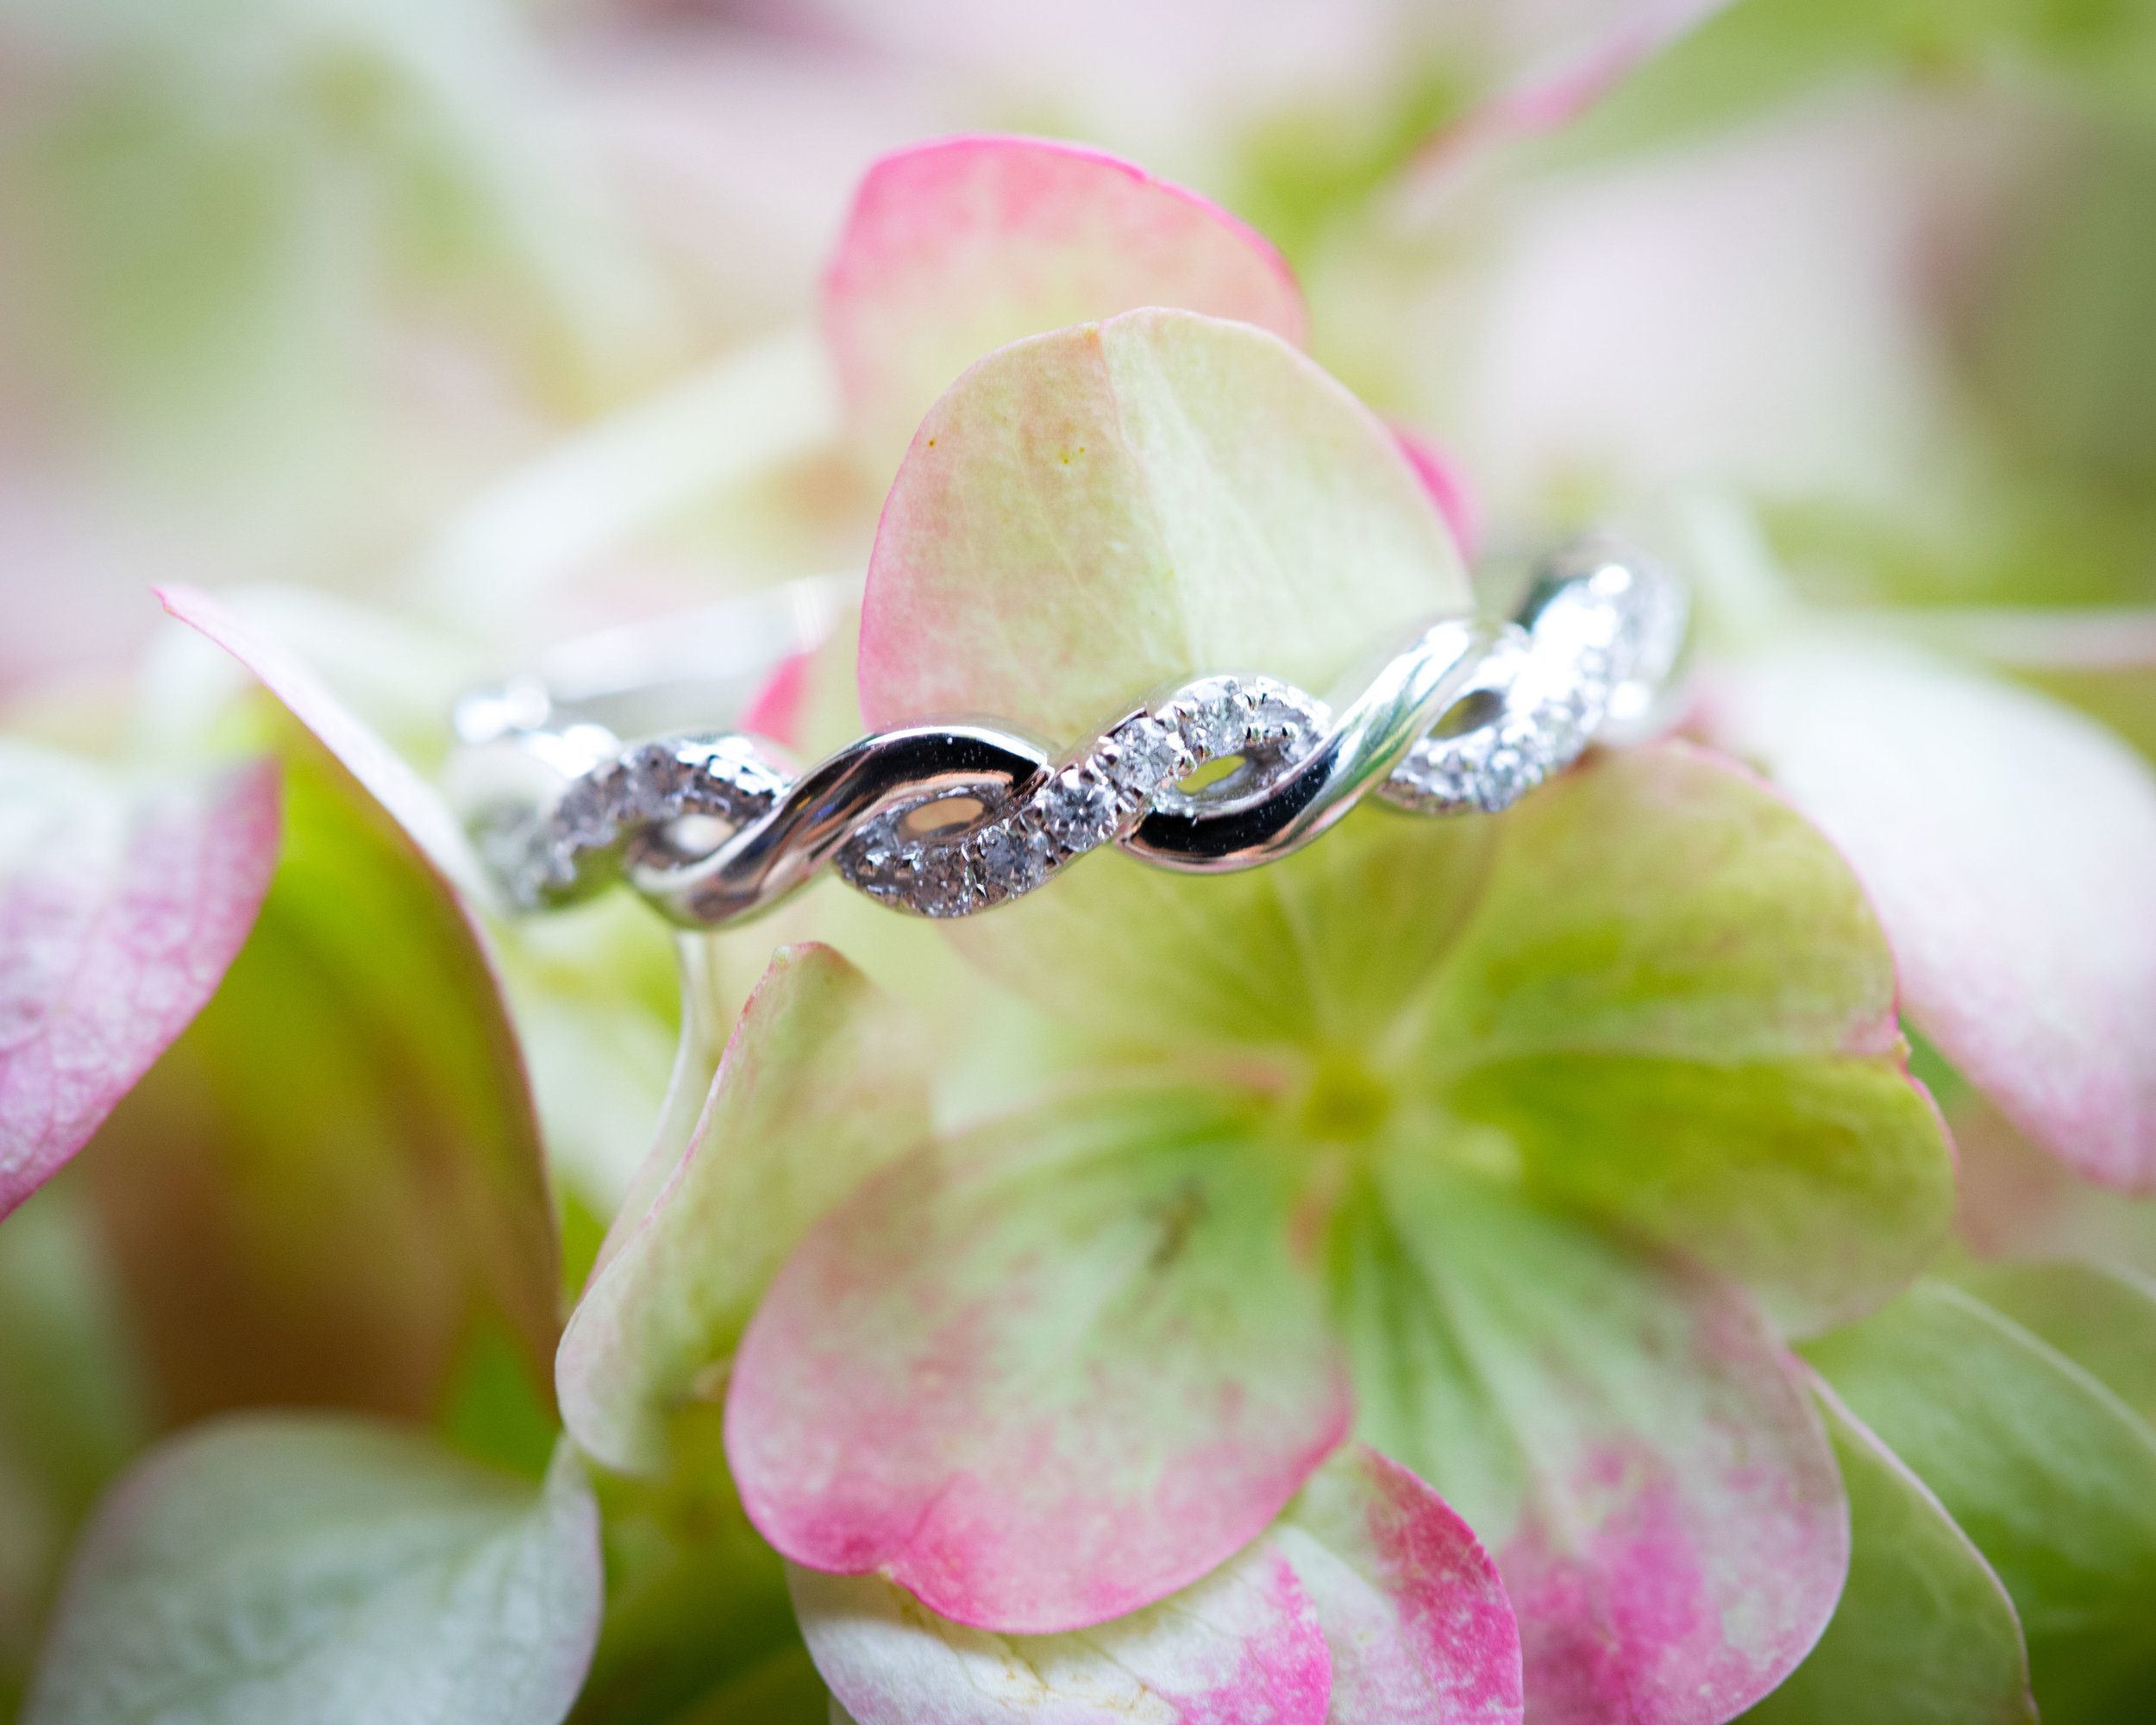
(1623, 1432)
(1048, 1375)
(116, 929)
(2010, 845)
(774, 711)
(1089, 514)
(1242, 1647)
(1448, 489)
(1553, 96)
(957, 248)
(1412, 1608)
(331, 1189)
(388, 778)
(821, 1083)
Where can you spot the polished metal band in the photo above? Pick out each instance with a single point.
(945, 820)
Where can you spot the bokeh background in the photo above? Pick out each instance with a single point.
(297, 292)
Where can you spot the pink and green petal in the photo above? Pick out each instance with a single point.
(119, 916)
(2046, 1469)
(1048, 1374)
(281, 1567)
(330, 1190)
(1323, 949)
(1414, 1612)
(1675, 1001)
(2009, 844)
(1087, 515)
(1621, 1430)
(821, 1083)
(1241, 1646)
(956, 248)
(1924, 1633)
(413, 803)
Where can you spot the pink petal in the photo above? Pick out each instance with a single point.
(109, 944)
(956, 248)
(1414, 1611)
(821, 1083)
(388, 778)
(1091, 513)
(2009, 846)
(1242, 1647)
(1046, 1376)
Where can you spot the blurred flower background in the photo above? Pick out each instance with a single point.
(430, 334)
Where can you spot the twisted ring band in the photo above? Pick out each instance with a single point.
(946, 820)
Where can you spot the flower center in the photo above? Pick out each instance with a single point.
(1345, 1102)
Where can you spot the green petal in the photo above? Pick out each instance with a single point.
(1675, 1001)
(2051, 1474)
(330, 1190)
(1324, 947)
(1088, 514)
(699, 1629)
(821, 1083)
(1924, 1633)
(1621, 1430)
(276, 1569)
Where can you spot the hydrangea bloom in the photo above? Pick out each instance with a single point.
(1381, 1307)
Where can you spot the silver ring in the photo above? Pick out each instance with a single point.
(943, 820)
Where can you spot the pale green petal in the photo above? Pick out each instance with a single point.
(1675, 1002)
(307, 1570)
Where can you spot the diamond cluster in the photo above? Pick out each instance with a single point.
(1547, 687)
(1099, 797)
(634, 799)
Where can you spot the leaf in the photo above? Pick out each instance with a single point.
(2050, 1474)
(2025, 929)
(71, 1408)
(1621, 1430)
(119, 914)
(1924, 1634)
(1241, 1646)
(822, 1081)
(292, 1570)
(330, 1188)
(1414, 1612)
(1675, 1001)
(2101, 1318)
(1047, 1374)
(960, 246)
(1089, 514)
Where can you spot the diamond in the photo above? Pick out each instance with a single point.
(1012, 858)
(1141, 755)
(943, 885)
(1078, 809)
(1213, 718)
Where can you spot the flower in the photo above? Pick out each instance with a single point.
(1461, 1135)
